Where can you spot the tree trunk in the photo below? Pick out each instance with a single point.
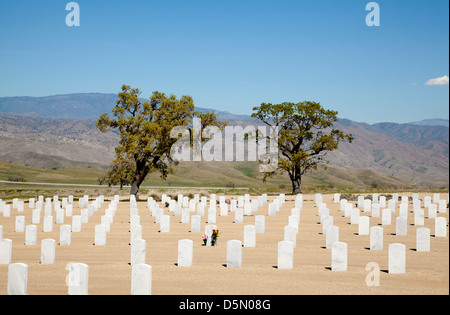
(296, 180)
(139, 176)
(135, 189)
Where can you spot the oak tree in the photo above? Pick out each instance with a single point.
(305, 136)
(145, 130)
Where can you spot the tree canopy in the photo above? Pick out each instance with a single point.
(145, 131)
(305, 136)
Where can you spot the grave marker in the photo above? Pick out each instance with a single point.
(285, 255)
(185, 253)
(100, 235)
(78, 279)
(423, 239)
(332, 236)
(65, 235)
(339, 256)
(376, 238)
(138, 250)
(31, 235)
(440, 227)
(364, 226)
(141, 279)
(17, 279)
(260, 223)
(249, 236)
(234, 254)
(401, 225)
(397, 258)
(196, 223)
(48, 251)
(5, 251)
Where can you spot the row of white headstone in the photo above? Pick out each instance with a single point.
(78, 279)
(396, 251)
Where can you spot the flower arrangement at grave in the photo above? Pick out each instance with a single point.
(204, 239)
(167, 204)
(228, 201)
(214, 236)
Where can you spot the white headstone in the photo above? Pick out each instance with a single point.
(386, 216)
(239, 215)
(60, 213)
(186, 215)
(354, 216)
(76, 223)
(20, 224)
(138, 252)
(367, 205)
(442, 206)
(185, 253)
(260, 223)
(249, 236)
(336, 198)
(423, 239)
(48, 251)
(401, 225)
(65, 235)
(234, 254)
(36, 216)
(164, 224)
(106, 221)
(440, 227)
(31, 235)
(364, 226)
(332, 236)
(5, 251)
(339, 256)
(100, 235)
(376, 210)
(432, 211)
(285, 255)
(376, 238)
(419, 217)
(196, 223)
(17, 279)
(141, 279)
(78, 279)
(328, 221)
(136, 233)
(6, 211)
(223, 209)
(212, 215)
(290, 234)
(397, 258)
(48, 224)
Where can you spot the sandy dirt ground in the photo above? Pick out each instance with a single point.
(110, 271)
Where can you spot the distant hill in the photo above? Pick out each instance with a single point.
(431, 122)
(36, 131)
(83, 106)
(47, 161)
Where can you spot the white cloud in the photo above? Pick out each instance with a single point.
(438, 81)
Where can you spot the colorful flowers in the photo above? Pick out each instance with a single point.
(214, 236)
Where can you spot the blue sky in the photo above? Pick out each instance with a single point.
(233, 55)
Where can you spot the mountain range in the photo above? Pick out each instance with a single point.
(59, 131)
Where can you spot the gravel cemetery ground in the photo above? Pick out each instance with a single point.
(110, 269)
